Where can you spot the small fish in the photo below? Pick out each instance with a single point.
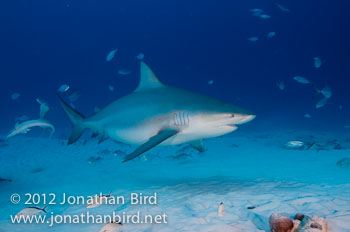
(256, 11)
(210, 82)
(347, 126)
(281, 85)
(112, 227)
(253, 39)
(264, 16)
(124, 72)
(321, 103)
(29, 211)
(111, 55)
(98, 200)
(271, 34)
(111, 88)
(63, 88)
(44, 108)
(302, 80)
(307, 116)
(294, 144)
(221, 210)
(15, 96)
(282, 7)
(326, 91)
(340, 107)
(317, 62)
(140, 56)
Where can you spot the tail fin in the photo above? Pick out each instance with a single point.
(317, 91)
(76, 120)
(44, 208)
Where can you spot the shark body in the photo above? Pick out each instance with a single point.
(24, 127)
(157, 114)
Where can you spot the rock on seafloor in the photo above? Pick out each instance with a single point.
(280, 223)
(301, 223)
(312, 224)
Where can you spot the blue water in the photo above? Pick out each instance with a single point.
(45, 44)
(188, 44)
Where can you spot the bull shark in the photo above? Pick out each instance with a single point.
(157, 114)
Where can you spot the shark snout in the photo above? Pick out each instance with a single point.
(231, 119)
(242, 118)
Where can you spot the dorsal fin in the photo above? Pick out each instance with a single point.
(147, 78)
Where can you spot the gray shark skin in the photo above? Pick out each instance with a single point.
(157, 114)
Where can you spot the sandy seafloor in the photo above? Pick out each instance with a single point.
(240, 169)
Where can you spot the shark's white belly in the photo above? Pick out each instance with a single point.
(138, 136)
(140, 133)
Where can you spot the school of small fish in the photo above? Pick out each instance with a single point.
(323, 94)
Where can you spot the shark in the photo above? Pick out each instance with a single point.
(25, 127)
(158, 114)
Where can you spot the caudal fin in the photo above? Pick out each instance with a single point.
(76, 119)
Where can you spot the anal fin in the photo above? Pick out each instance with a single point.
(152, 142)
(198, 145)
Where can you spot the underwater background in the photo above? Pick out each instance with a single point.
(45, 44)
(247, 53)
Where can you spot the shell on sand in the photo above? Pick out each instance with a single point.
(221, 210)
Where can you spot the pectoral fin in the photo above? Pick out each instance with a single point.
(152, 142)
